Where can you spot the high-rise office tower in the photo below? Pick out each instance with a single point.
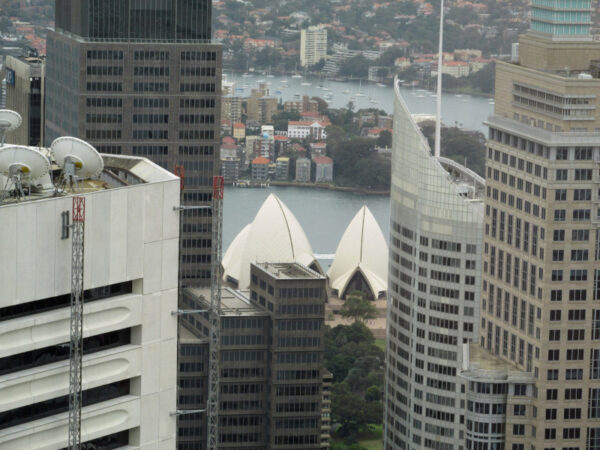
(434, 290)
(537, 368)
(141, 77)
(129, 371)
(271, 362)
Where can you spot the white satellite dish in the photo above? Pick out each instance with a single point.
(21, 164)
(77, 158)
(16, 159)
(9, 120)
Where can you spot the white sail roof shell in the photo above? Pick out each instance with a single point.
(362, 248)
(275, 235)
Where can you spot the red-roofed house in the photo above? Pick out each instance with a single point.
(317, 149)
(260, 168)
(239, 130)
(375, 132)
(299, 149)
(477, 64)
(281, 144)
(402, 63)
(324, 169)
(228, 140)
(456, 69)
(310, 115)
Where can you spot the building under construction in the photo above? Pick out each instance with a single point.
(271, 367)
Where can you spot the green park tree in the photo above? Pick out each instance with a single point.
(357, 308)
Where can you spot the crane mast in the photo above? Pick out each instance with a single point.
(76, 331)
(212, 405)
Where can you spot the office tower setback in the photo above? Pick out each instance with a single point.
(313, 45)
(540, 315)
(141, 77)
(130, 288)
(271, 391)
(24, 94)
(434, 290)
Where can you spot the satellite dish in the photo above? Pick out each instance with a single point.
(18, 164)
(20, 160)
(9, 120)
(77, 158)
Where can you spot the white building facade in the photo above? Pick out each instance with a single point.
(434, 290)
(130, 337)
(307, 129)
(313, 45)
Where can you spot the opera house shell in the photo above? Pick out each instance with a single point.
(361, 259)
(274, 235)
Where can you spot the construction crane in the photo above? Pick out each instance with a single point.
(214, 311)
(212, 404)
(76, 342)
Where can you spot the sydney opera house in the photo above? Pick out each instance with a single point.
(275, 235)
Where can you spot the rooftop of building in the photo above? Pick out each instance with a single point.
(114, 171)
(31, 58)
(233, 302)
(289, 271)
(322, 160)
(468, 184)
(260, 160)
(484, 365)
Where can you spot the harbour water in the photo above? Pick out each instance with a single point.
(457, 110)
(323, 214)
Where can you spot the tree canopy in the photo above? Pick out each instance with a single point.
(357, 365)
(357, 308)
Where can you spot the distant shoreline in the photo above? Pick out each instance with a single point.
(329, 187)
(342, 79)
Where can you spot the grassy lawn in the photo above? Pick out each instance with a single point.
(380, 343)
(372, 439)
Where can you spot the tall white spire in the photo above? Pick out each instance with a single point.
(438, 114)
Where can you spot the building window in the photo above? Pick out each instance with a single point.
(550, 433)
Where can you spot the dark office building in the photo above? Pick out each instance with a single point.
(271, 362)
(141, 77)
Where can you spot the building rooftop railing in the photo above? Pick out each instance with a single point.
(542, 136)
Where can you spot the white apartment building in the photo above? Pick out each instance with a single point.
(129, 335)
(456, 69)
(313, 45)
(307, 129)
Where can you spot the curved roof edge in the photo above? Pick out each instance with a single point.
(274, 235)
(362, 248)
(438, 163)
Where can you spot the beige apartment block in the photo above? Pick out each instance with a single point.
(540, 309)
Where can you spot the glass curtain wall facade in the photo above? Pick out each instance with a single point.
(140, 77)
(158, 20)
(562, 19)
(434, 290)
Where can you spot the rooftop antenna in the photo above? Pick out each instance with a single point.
(438, 117)
(78, 159)
(19, 164)
(9, 121)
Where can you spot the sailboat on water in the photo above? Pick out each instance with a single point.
(359, 93)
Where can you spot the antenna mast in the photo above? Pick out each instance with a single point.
(75, 396)
(212, 404)
(438, 117)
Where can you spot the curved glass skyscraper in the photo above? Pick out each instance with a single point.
(434, 290)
